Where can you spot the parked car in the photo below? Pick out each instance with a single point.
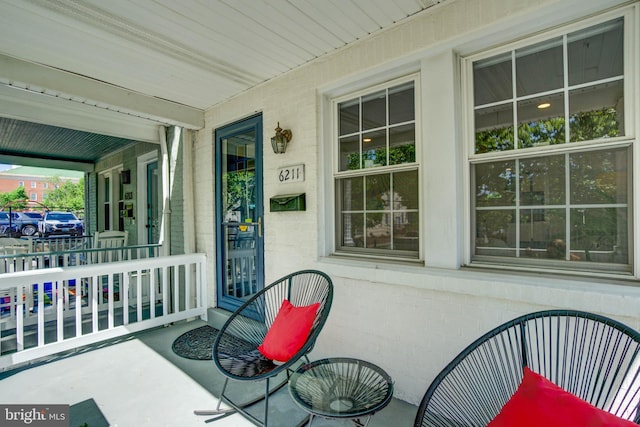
(26, 222)
(8, 228)
(61, 223)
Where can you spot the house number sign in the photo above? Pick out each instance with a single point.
(293, 173)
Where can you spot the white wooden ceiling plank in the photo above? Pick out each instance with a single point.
(384, 12)
(305, 29)
(203, 32)
(326, 15)
(255, 30)
(359, 20)
(410, 7)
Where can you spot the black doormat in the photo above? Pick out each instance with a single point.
(196, 344)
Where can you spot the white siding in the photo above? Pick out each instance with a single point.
(411, 320)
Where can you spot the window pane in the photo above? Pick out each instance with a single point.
(405, 231)
(374, 110)
(542, 231)
(373, 207)
(495, 184)
(597, 112)
(352, 192)
(405, 190)
(492, 79)
(378, 230)
(374, 149)
(494, 128)
(541, 126)
(378, 192)
(402, 144)
(401, 104)
(349, 117)
(596, 53)
(539, 67)
(542, 181)
(495, 232)
(350, 153)
(600, 235)
(599, 177)
(353, 230)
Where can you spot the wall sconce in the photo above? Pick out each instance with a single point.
(280, 140)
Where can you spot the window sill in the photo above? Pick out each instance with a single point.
(613, 296)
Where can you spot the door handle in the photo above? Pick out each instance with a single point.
(259, 226)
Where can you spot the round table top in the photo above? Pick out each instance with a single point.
(341, 388)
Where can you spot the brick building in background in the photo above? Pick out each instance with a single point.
(37, 182)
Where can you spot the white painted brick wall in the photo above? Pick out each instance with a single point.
(409, 320)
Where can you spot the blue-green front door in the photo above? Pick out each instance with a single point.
(239, 209)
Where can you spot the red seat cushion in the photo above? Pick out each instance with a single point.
(289, 331)
(539, 402)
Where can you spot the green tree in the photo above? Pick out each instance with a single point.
(17, 198)
(240, 192)
(68, 196)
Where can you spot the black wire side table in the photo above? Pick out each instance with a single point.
(341, 388)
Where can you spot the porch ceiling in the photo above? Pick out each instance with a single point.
(121, 68)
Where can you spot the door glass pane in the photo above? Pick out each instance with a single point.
(239, 212)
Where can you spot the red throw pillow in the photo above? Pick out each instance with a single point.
(539, 402)
(289, 331)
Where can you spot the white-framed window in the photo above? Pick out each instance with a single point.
(45, 185)
(551, 146)
(33, 196)
(110, 194)
(34, 184)
(20, 183)
(376, 171)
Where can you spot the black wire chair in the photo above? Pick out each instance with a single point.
(588, 355)
(235, 349)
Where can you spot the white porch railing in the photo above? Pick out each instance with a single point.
(46, 311)
(14, 260)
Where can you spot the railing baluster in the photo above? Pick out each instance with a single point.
(54, 303)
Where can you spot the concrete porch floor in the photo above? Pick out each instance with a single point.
(138, 381)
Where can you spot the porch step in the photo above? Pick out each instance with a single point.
(216, 317)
